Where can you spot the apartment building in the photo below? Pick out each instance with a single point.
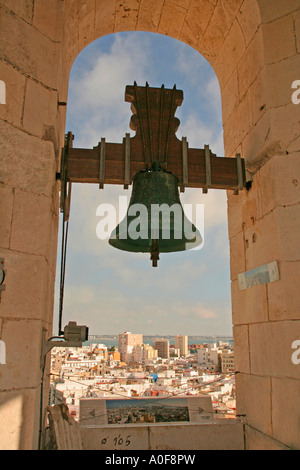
(208, 358)
(163, 347)
(142, 353)
(181, 343)
(127, 342)
(227, 362)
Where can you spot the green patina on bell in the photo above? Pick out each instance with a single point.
(155, 221)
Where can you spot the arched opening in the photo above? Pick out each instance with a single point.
(115, 291)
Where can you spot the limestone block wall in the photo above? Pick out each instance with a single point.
(30, 131)
(254, 48)
(264, 225)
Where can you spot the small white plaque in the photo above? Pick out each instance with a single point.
(262, 275)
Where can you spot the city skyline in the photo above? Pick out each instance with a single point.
(113, 291)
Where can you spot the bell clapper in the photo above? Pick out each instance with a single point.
(154, 253)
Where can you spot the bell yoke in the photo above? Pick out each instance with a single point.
(157, 164)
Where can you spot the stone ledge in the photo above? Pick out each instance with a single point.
(223, 435)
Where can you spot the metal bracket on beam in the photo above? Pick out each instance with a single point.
(66, 185)
(127, 161)
(207, 169)
(240, 181)
(102, 163)
(184, 164)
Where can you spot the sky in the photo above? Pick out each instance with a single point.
(113, 291)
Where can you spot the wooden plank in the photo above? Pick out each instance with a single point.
(155, 125)
(83, 167)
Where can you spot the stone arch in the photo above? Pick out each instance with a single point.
(221, 32)
(254, 48)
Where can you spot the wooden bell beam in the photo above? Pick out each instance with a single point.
(155, 140)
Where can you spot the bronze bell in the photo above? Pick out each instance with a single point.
(155, 221)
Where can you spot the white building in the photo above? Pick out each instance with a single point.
(126, 344)
(207, 357)
(181, 343)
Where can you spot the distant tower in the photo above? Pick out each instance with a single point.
(127, 341)
(181, 343)
(163, 347)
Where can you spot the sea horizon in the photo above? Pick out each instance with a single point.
(112, 340)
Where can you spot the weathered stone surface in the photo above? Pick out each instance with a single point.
(195, 23)
(297, 29)
(273, 237)
(17, 419)
(40, 110)
(237, 255)
(31, 224)
(256, 440)
(254, 401)
(237, 126)
(104, 17)
(230, 97)
(29, 290)
(241, 348)
(251, 63)
(86, 14)
(249, 19)
(27, 162)
(248, 306)
(15, 91)
(28, 50)
(270, 348)
(262, 245)
(218, 28)
(257, 96)
(70, 46)
(6, 207)
(23, 9)
(224, 435)
(258, 145)
(277, 183)
(149, 15)
(271, 10)
(230, 54)
(279, 39)
(23, 349)
(285, 123)
(284, 296)
(234, 211)
(171, 20)
(49, 21)
(280, 77)
(285, 415)
(126, 15)
(209, 437)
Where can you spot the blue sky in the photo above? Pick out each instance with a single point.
(113, 291)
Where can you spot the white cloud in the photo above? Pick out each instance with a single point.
(97, 102)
